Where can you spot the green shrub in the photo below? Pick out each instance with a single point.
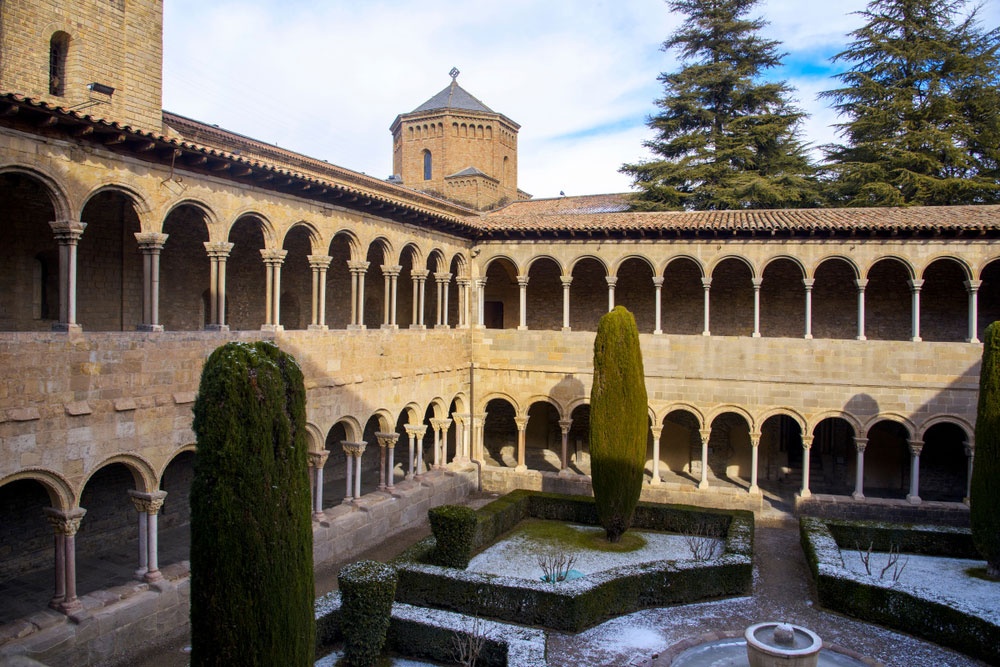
(454, 528)
(251, 532)
(619, 424)
(985, 492)
(367, 590)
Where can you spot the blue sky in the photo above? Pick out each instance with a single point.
(327, 78)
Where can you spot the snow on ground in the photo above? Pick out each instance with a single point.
(517, 555)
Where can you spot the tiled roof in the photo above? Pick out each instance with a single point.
(453, 97)
(520, 219)
(613, 203)
(468, 171)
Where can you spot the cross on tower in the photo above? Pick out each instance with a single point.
(454, 73)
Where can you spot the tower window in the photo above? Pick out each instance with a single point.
(427, 165)
(58, 48)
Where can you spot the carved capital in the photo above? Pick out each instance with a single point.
(318, 459)
(386, 439)
(220, 249)
(564, 425)
(67, 232)
(319, 261)
(355, 449)
(148, 503)
(415, 431)
(522, 423)
(273, 255)
(150, 242)
(64, 523)
(860, 444)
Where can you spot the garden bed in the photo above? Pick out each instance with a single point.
(885, 597)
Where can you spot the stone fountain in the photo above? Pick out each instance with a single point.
(773, 644)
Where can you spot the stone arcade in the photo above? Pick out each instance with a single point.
(444, 321)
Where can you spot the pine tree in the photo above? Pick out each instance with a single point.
(251, 534)
(984, 503)
(618, 421)
(726, 139)
(922, 106)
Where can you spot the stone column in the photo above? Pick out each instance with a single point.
(970, 455)
(478, 421)
(861, 283)
(358, 272)
(566, 282)
(419, 277)
(657, 434)
(658, 286)
(859, 473)
(67, 234)
(437, 425)
(463, 302)
(150, 244)
(916, 446)
(443, 279)
(353, 452)
(481, 298)
(522, 426)
(756, 282)
(706, 434)
(807, 443)
(387, 441)
(148, 505)
(317, 461)
(612, 281)
(706, 284)
(391, 275)
(564, 426)
(416, 434)
(809, 282)
(915, 286)
(972, 286)
(65, 525)
(445, 427)
(522, 318)
(754, 456)
(273, 259)
(319, 264)
(459, 421)
(218, 253)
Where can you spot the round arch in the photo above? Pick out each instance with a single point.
(143, 473)
(538, 258)
(967, 270)
(680, 406)
(60, 491)
(734, 409)
(139, 202)
(890, 417)
(58, 197)
(190, 447)
(617, 264)
(715, 263)
(816, 419)
(787, 412)
(485, 400)
(571, 266)
(967, 428)
(911, 273)
(811, 272)
(683, 258)
(264, 224)
(316, 240)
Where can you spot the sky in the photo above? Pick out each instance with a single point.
(327, 77)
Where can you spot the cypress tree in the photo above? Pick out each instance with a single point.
(985, 493)
(618, 421)
(921, 103)
(251, 535)
(726, 138)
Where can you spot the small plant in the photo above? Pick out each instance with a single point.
(892, 566)
(556, 566)
(467, 645)
(703, 542)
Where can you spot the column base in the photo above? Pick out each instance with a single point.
(754, 490)
(442, 326)
(272, 327)
(140, 574)
(356, 327)
(152, 328)
(567, 328)
(703, 484)
(808, 337)
(62, 327)
(916, 339)
(566, 472)
(153, 577)
(417, 326)
(216, 327)
(657, 332)
(71, 606)
(972, 340)
(805, 493)
(913, 500)
(521, 468)
(318, 327)
(861, 338)
(388, 327)
(655, 480)
(755, 334)
(706, 333)
(857, 495)
(522, 327)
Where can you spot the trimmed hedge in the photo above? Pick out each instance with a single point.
(367, 589)
(895, 606)
(454, 528)
(579, 604)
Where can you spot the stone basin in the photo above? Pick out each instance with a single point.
(772, 644)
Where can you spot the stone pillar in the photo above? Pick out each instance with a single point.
(859, 473)
(218, 253)
(658, 286)
(706, 434)
(612, 281)
(65, 525)
(915, 286)
(564, 426)
(465, 433)
(754, 457)
(415, 432)
(757, 282)
(273, 259)
(353, 452)
(319, 264)
(657, 434)
(317, 461)
(972, 286)
(916, 446)
(522, 318)
(478, 422)
(67, 234)
(809, 282)
(522, 426)
(419, 277)
(436, 425)
(706, 284)
(861, 283)
(443, 279)
(150, 244)
(387, 442)
(445, 427)
(358, 272)
(481, 298)
(807, 443)
(463, 302)
(148, 505)
(566, 282)
(390, 274)
(970, 455)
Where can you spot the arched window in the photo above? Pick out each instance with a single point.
(58, 48)
(427, 165)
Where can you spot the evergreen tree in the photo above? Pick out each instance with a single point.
(922, 106)
(985, 494)
(619, 423)
(251, 534)
(725, 138)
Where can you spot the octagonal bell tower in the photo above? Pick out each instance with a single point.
(456, 147)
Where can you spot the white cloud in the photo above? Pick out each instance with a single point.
(328, 78)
